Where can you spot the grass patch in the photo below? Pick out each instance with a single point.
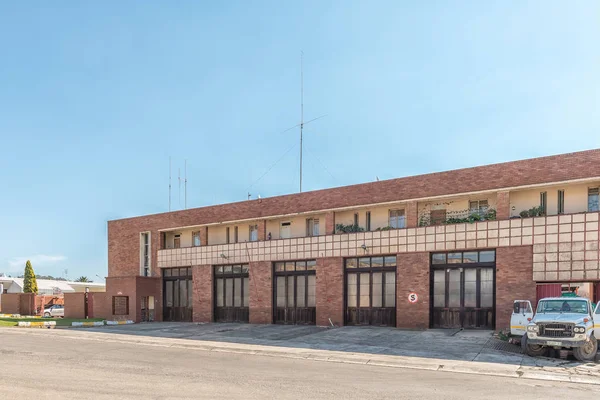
(59, 321)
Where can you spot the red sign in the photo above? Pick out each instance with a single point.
(413, 297)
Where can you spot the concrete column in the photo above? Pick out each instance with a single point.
(330, 223)
(412, 217)
(503, 205)
(330, 291)
(414, 278)
(261, 292)
(262, 230)
(204, 236)
(202, 299)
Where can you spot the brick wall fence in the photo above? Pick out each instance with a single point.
(74, 305)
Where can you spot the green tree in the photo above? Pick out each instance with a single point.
(82, 279)
(29, 281)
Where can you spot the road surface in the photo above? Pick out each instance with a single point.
(49, 366)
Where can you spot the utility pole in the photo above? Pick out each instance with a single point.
(169, 183)
(185, 185)
(301, 110)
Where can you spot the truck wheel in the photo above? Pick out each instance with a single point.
(532, 350)
(588, 351)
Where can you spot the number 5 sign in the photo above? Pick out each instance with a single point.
(412, 297)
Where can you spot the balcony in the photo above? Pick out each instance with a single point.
(443, 217)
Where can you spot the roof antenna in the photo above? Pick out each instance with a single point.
(249, 195)
(169, 183)
(376, 177)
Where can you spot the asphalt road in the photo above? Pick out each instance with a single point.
(49, 366)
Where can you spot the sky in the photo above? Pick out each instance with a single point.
(96, 96)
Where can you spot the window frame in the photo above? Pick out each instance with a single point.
(597, 195)
(311, 223)
(227, 238)
(252, 229)
(480, 210)
(397, 217)
(196, 235)
(145, 253)
(368, 221)
(560, 209)
(544, 202)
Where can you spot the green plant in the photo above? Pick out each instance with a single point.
(424, 220)
(532, 212)
(29, 281)
(341, 228)
(385, 228)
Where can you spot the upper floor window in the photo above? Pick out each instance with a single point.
(478, 207)
(235, 234)
(227, 240)
(177, 241)
(397, 219)
(593, 199)
(253, 233)
(145, 254)
(561, 202)
(544, 202)
(368, 221)
(312, 227)
(195, 238)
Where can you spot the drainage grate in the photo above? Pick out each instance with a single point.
(503, 346)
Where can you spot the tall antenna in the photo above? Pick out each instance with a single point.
(185, 185)
(301, 110)
(169, 183)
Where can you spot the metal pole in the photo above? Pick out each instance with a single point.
(301, 111)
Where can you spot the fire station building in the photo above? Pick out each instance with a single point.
(442, 250)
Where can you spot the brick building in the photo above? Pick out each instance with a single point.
(449, 249)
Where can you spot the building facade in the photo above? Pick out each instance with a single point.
(441, 250)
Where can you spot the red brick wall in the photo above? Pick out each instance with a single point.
(412, 214)
(330, 291)
(412, 276)
(514, 271)
(261, 292)
(101, 305)
(330, 223)
(10, 303)
(123, 235)
(27, 304)
(74, 305)
(503, 205)
(262, 229)
(203, 293)
(148, 286)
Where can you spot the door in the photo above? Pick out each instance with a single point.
(295, 293)
(232, 293)
(463, 289)
(371, 291)
(522, 314)
(177, 294)
(285, 231)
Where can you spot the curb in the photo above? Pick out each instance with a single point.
(36, 324)
(87, 324)
(119, 322)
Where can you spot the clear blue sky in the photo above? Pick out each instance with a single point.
(95, 97)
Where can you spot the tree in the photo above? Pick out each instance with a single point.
(82, 279)
(29, 281)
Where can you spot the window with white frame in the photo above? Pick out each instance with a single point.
(312, 227)
(195, 239)
(253, 233)
(397, 219)
(478, 207)
(145, 253)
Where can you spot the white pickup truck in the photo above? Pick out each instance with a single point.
(559, 322)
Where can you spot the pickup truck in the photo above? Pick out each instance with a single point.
(559, 322)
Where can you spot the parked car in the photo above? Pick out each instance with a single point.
(56, 310)
(559, 323)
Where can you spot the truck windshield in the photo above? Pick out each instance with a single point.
(562, 306)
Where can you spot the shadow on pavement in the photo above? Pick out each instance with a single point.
(479, 346)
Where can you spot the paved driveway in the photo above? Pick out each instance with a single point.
(440, 344)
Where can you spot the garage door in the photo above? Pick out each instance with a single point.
(371, 291)
(231, 293)
(295, 287)
(177, 294)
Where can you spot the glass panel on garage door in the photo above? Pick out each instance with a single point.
(294, 292)
(231, 293)
(177, 294)
(371, 291)
(463, 289)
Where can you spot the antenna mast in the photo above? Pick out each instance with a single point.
(185, 185)
(301, 110)
(169, 183)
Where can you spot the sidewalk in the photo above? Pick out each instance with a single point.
(472, 352)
